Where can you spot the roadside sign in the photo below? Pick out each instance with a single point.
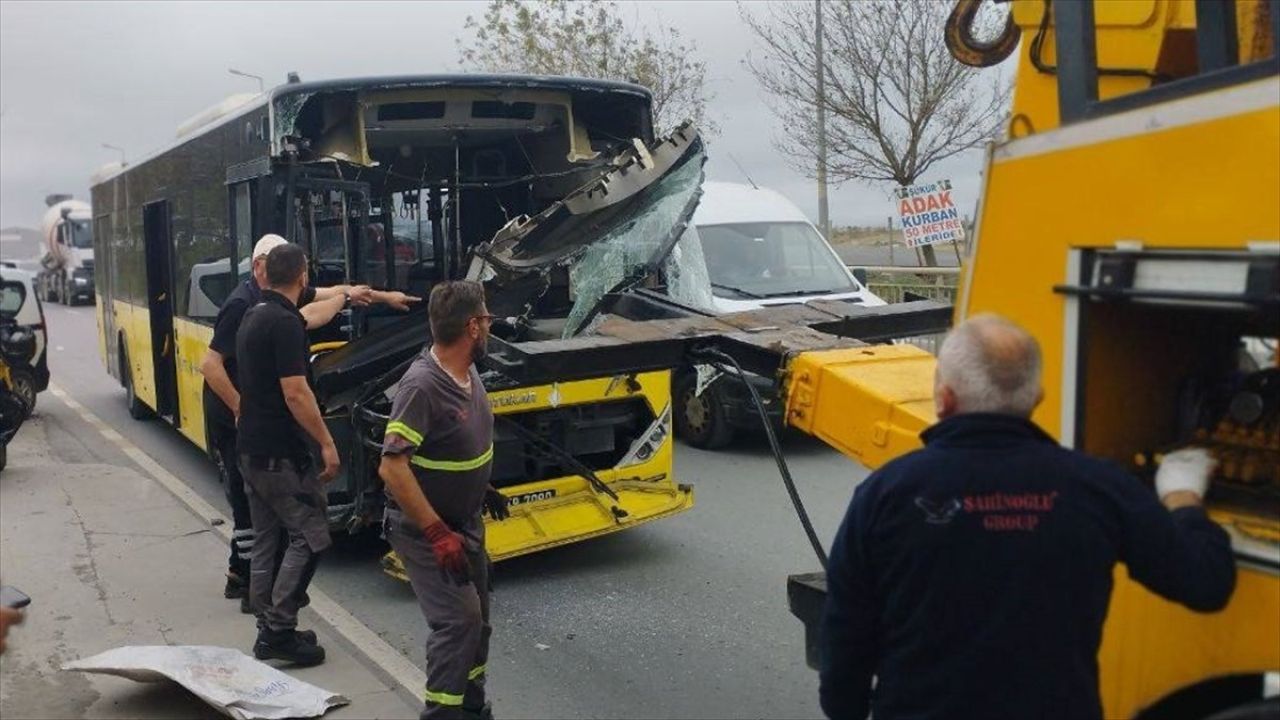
(929, 214)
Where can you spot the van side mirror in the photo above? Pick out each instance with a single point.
(860, 274)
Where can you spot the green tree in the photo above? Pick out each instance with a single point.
(590, 40)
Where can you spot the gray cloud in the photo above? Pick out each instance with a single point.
(76, 75)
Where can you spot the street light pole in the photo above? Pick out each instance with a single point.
(824, 220)
(120, 150)
(261, 85)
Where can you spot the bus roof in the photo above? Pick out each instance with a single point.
(451, 80)
(465, 80)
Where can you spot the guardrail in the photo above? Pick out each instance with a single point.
(893, 282)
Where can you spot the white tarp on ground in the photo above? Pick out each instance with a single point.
(232, 682)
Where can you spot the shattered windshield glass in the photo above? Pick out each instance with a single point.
(688, 279)
(627, 250)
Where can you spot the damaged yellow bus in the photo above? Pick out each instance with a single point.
(553, 192)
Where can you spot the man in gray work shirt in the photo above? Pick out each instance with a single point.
(436, 460)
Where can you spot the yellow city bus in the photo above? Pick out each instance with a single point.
(399, 183)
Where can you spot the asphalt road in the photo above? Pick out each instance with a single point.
(685, 617)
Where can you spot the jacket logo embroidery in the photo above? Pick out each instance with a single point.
(938, 513)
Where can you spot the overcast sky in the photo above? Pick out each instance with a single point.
(76, 75)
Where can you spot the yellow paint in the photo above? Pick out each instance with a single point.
(99, 311)
(193, 341)
(1151, 647)
(133, 323)
(646, 490)
(1212, 185)
(870, 403)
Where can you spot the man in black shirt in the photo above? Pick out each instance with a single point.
(971, 578)
(222, 398)
(277, 414)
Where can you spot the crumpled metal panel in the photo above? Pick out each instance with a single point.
(638, 243)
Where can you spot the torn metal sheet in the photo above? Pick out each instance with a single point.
(231, 682)
(636, 245)
(596, 209)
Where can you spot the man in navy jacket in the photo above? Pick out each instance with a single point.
(971, 578)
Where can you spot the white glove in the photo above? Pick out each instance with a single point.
(1186, 469)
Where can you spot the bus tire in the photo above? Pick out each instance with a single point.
(24, 386)
(138, 410)
(700, 419)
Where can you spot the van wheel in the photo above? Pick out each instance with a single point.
(24, 386)
(138, 410)
(700, 419)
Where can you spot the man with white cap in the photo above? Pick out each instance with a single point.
(222, 396)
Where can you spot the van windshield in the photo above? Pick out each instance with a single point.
(770, 260)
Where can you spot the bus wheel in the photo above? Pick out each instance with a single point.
(700, 419)
(24, 386)
(138, 410)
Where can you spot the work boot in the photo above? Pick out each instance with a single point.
(307, 636)
(286, 645)
(235, 587)
(245, 606)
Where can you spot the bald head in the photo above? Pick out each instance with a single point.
(988, 364)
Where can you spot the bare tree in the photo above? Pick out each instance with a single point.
(591, 40)
(896, 101)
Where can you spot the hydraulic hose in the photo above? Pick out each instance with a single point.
(787, 481)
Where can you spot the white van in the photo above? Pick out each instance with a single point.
(760, 250)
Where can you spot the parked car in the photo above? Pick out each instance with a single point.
(760, 250)
(23, 334)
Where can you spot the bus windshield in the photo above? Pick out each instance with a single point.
(770, 259)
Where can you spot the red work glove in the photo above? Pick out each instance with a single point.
(446, 545)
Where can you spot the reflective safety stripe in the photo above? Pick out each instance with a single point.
(443, 698)
(454, 465)
(476, 672)
(395, 427)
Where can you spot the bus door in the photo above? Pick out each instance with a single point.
(330, 219)
(159, 258)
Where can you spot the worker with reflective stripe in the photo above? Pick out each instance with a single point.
(436, 458)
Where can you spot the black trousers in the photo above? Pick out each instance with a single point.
(223, 440)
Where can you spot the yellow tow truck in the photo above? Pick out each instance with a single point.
(1131, 222)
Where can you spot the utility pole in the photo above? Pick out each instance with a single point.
(824, 220)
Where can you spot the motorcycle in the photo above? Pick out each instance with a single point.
(16, 346)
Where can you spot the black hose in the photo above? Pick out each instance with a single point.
(787, 481)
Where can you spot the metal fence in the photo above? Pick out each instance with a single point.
(893, 283)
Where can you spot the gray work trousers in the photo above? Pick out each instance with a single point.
(282, 497)
(457, 615)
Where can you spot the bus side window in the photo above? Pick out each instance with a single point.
(242, 220)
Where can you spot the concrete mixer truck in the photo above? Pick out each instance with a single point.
(66, 260)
